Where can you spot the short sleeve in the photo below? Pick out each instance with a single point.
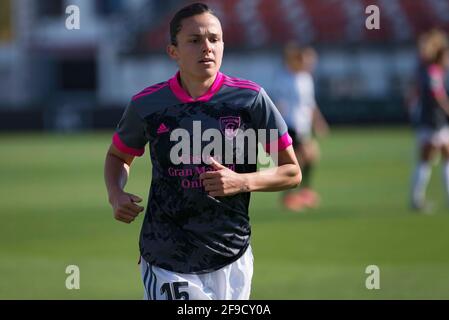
(130, 135)
(267, 116)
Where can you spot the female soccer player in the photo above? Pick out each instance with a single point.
(432, 117)
(195, 237)
(294, 94)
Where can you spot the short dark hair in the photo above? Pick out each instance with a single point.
(186, 12)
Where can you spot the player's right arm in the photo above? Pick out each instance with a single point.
(116, 171)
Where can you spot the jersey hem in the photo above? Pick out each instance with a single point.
(209, 270)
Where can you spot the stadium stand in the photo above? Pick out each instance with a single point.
(263, 23)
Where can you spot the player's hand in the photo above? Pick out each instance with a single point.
(125, 207)
(223, 181)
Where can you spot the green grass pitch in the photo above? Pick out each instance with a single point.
(54, 213)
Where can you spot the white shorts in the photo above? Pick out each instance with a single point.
(232, 282)
(437, 138)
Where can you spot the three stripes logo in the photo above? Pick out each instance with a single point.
(162, 129)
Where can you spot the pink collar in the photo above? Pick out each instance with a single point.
(184, 97)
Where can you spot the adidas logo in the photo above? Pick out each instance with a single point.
(162, 129)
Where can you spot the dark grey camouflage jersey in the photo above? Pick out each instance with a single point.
(185, 230)
(431, 86)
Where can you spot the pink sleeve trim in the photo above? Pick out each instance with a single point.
(118, 143)
(283, 143)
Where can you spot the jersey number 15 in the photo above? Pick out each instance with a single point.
(171, 290)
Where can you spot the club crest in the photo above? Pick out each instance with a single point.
(229, 126)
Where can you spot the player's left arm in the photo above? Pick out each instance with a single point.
(225, 182)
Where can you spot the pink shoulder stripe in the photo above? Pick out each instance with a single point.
(150, 90)
(155, 87)
(242, 86)
(240, 83)
(238, 80)
(247, 83)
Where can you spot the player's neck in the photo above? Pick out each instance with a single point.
(195, 87)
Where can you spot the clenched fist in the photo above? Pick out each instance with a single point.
(125, 207)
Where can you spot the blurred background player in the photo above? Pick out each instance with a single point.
(428, 43)
(294, 94)
(430, 110)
